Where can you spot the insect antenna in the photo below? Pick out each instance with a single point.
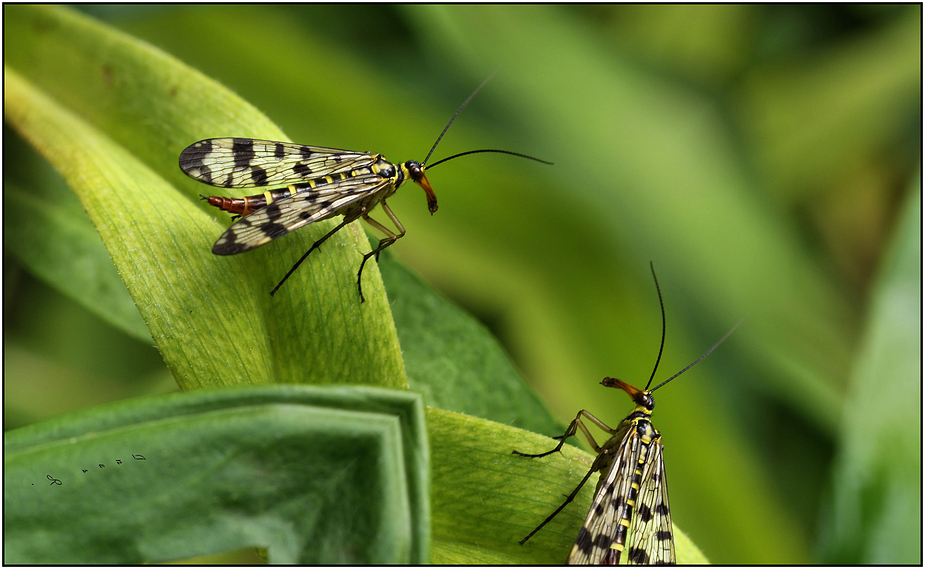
(447, 127)
(459, 110)
(662, 346)
(695, 362)
(487, 150)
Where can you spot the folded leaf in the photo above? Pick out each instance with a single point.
(317, 475)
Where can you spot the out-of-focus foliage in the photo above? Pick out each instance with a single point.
(760, 156)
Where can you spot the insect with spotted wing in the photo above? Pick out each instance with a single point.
(313, 183)
(631, 498)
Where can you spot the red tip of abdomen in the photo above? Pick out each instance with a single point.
(236, 206)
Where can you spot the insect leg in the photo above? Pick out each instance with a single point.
(383, 243)
(564, 504)
(390, 237)
(570, 431)
(314, 246)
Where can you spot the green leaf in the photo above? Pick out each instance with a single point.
(875, 516)
(318, 475)
(112, 114)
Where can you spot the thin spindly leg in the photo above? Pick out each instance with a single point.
(314, 246)
(559, 509)
(383, 243)
(570, 431)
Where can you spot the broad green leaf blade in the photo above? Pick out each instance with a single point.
(454, 361)
(485, 499)
(131, 205)
(318, 475)
(876, 513)
(112, 115)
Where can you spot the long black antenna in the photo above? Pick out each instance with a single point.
(662, 346)
(459, 110)
(447, 127)
(707, 353)
(477, 151)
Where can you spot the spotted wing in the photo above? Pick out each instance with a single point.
(651, 541)
(609, 507)
(294, 211)
(249, 163)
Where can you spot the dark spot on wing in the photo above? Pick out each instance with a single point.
(301, 169)
(638, 556)
(259, 176)
(243, 151)
(603, 541)
(584, 541)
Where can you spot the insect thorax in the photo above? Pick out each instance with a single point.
(385, 169)
(397, 174)
(647, 432)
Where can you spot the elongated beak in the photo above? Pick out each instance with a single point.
(620, 384)
(431, 196)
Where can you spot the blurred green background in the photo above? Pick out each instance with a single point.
(765, 158)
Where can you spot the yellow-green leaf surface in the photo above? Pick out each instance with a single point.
(485, 499)
(112, 115)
